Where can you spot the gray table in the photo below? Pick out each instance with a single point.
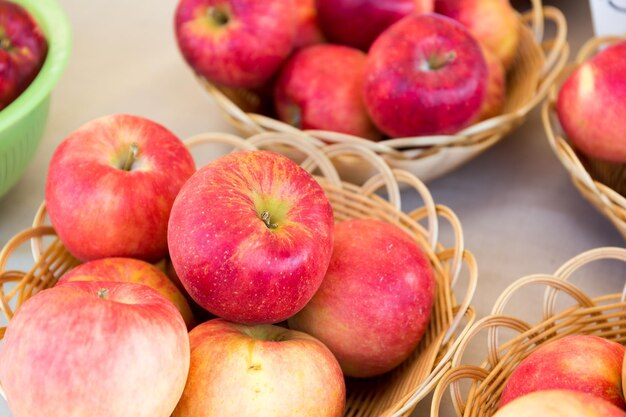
(520, 213)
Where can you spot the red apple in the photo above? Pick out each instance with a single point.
(425, 75)
(321, 87)
(583, 363)
(98, 349)
(590, 105)
(496, 87)
(624, 377)
(237, 43)
(260, 371)
(250, 236)
(493, 22)
(308, 30)
(23, 50)
(133, 271)
(560, 403)
(374, 304)
(358, 23)
(111, 185)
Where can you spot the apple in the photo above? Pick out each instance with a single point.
(236, 43)
(23, 50)
(134, 271)
(494, 23)
(308, 30)
(559, 403)
(589, 105)
(250, 236)
(321, 87)
(496, 87)
(425, 75)
(624, 377)
(358, 23)
(98, 349)
(111, 185)
(583, 363)
(374, 304)
(260, 371)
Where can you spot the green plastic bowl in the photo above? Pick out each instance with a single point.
(22, 122)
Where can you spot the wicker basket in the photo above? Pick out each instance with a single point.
(604, 316)
(533, 71)
(603, 184)
(395, 393)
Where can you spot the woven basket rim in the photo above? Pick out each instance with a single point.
(479, 135)
(424, 222)
(527, 333)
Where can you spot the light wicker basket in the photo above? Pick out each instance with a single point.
(534, 69)
(603, 316)
(604, 185)
(394, 394)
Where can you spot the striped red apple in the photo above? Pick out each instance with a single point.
(111, 185)
(250, 236)
(583, 363)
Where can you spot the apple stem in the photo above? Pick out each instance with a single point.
(438, 61)
(131, 157)
(265, 216)
(218, 16)
(103, 293)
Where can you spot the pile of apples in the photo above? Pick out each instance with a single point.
(373, 69)
(23, 50)
(296, 301)
(574, 376)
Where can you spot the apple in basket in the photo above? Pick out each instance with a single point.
(424, 75)
(357, 23)
(250, 236)
(590, 105)
(374, 304)
(583, 363)
(236, 43)
(111, 185)
(494, 23)
(260, 371)
(624, 377)
(560, 403)
(308, 30)
(133, 271)
(98, 349)
(23, 50)
(321, 87)
(496, 86)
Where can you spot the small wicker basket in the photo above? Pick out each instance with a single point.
(603, 184)
(394, 394)
(603, 316)
(534, 69)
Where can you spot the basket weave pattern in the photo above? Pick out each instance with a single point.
(600, 192)
(394, 394)
(603, 316)
(537, 63)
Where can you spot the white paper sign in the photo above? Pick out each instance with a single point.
(609, 17)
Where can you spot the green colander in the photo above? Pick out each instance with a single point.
(22, 122)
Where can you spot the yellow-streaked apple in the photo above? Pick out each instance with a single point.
(260, 371)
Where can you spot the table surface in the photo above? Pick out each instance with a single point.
(520, 213)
